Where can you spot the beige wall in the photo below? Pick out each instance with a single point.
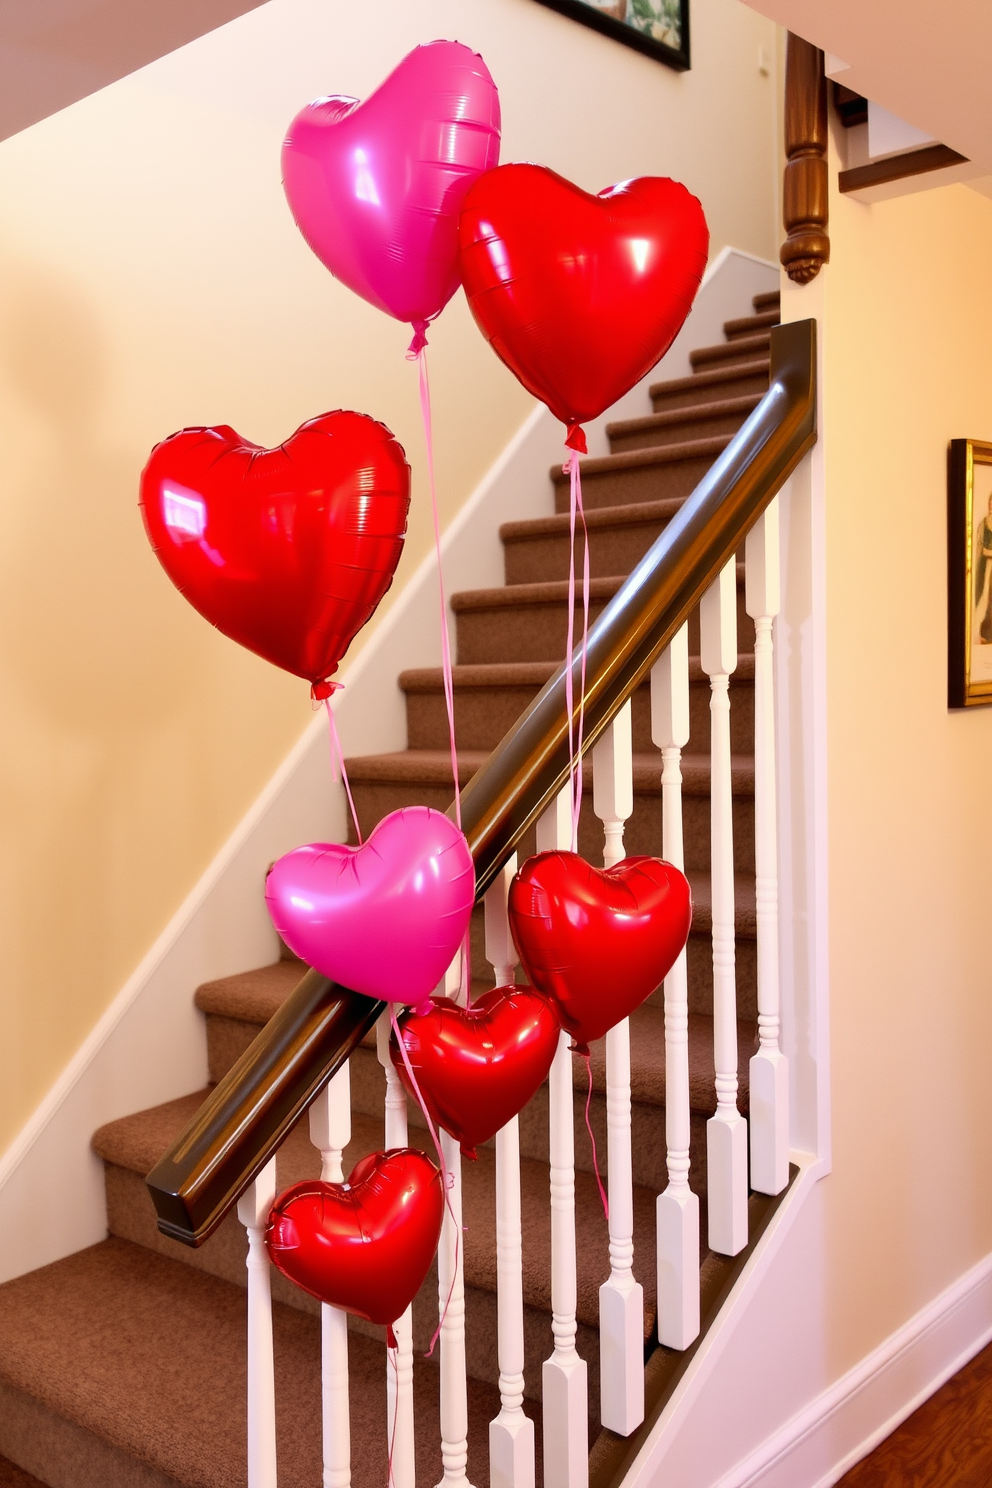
(151, 277)
(908, 327)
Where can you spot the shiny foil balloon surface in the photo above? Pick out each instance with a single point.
(386, 918)
(598, 941)
(365, 1245)
(478, 1067)
(580, 295)
(288, 550)
(376, 187)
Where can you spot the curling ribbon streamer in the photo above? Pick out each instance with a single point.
(418, 349)
(447, 1178)
(595, 1160)
(571, 469)
(321, 692)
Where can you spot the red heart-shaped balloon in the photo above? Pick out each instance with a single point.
(579, 295)
(288, 550)
(365, 1245)
(478, 1067)
(598, 941)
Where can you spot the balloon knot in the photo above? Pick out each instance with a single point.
(470, 1153)
(582, 1049)
(321, 691)
(576, 439)
(390, 1337)
(419, 340)
(423, 1008)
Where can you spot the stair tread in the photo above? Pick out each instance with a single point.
(485, 674)
(767, 299)
(711, 378)
(493, 674)
(652, 454)
(743, 346)
(633, 514)
(12, 1476)
(125, 1343)
(433, 766)
(748, 324)
(694, 413)
(136, 1143)
(550, 591)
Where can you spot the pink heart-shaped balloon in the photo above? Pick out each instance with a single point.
(376, 187)
(386, 918)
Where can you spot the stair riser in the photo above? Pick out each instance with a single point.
(665, 400)
(635, 483)
(731, 353)
(677, 433)
(750, 325)
(483, 717)
(539, 632)
(64, 1454)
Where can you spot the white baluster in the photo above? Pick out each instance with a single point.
(726, 1131)
(511, 1434)
(330, 1133)
(621, 1298)
(565, 1386)
(678, 1206)
(253, 1212)
(769, 1067)
(399, 1370)
(451, 1299)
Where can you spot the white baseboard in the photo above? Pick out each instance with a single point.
(149, 1044)
(847, 1421)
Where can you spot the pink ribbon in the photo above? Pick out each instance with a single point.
(571, 469)
(337, 753)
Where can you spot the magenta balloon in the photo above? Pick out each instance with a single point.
(376, 187)
(386, 918)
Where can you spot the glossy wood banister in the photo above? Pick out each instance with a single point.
(246, 1117)
(248, 1114)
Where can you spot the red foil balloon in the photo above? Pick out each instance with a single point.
(365, 1245)
(598, 941)
(579, 295)
(478, 1067)
(288, 550)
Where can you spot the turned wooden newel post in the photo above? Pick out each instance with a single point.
(804, 198)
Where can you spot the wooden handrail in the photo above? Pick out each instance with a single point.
(245, 1119)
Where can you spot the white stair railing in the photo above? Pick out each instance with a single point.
(769, 1069)
(511, 1434)
(677, 1214)
(253, 1212)
(330, 1133)
(726, 1131)
(621, 1298)
(451, 1301)
(565, 1385)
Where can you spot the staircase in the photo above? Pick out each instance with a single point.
(125, 1364)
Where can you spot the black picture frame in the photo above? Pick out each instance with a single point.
(969, 573)
(625, 31)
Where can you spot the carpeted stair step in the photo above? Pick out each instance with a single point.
(16, 1477)
(772, 298)
(529, 622)
(121, 1368)
(750, 325)
(646, 474)
(678, 425)
(536, 549)
(489, 698)
(708, 386)
(744, 349)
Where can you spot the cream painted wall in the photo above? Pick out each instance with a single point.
(151, 277)
(905, 321)
(908, 325)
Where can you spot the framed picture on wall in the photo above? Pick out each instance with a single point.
(658, 27)
(969, 573)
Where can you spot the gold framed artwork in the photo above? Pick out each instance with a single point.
(969, 573)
